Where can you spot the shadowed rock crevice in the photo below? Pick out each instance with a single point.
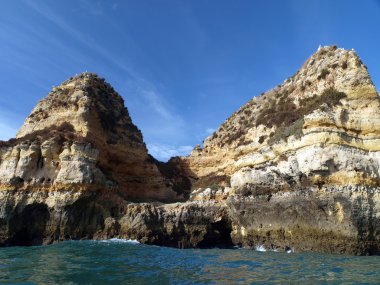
(367, 223)
(27, 225)
(218, 234)
(175, 175)
(83, 219)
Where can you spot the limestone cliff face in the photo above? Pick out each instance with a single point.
(301, 162)
(330, 101)
(82, 137)
(77, 145)
(295, 168)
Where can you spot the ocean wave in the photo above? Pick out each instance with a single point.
(260, 248)
(120, 240)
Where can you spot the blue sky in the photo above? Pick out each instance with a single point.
(183, 67)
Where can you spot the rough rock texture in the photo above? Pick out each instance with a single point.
(301, 161)
(43, 217)
(77, 144)
(82, 137)
(331, 100)
(295, 168)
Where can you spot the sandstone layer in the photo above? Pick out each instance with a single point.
(82, 137)
(295, 168)
(301, 161)
(78, 143)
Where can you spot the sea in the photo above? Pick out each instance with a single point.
(119, 261)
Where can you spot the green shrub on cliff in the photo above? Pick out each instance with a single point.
(323, 74)
(289, 120)
(279, 111)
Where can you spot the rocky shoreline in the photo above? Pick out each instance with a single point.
(297, 167)
(326, 220)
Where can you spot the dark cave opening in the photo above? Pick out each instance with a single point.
(219, 235)
(27, 226)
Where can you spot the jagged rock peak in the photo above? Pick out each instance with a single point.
(301, 162)
(90, 105)
(326, 75)
(81, 137)
(85, 79)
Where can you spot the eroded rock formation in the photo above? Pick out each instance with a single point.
(77, 145)
(296, 167)
(82, 137)
(301, 161)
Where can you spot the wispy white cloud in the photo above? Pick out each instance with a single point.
(80, 37)
(157, 118)
(156, 102)
(143, 87)
(16, 51)
(153, 114)
(163, 152)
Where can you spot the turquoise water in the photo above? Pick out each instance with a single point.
(121, 262)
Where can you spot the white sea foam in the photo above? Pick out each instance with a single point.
(120, 240)
(289, 251)
(260, 248)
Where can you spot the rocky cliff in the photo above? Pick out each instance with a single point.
(301, 161)
(81, 137)
(296, 167)
(77, 145)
